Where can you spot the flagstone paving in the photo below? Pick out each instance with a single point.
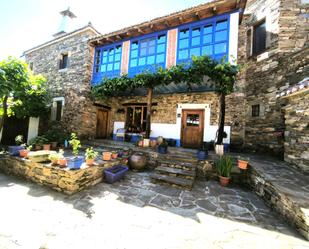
(135, 213)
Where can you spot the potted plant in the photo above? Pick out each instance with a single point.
(37, 142)
(242, 162)
(24, 153)
(224, 167)
(14, 150)
(62, 160)
(202, 153)
(90, 155)
(114, 154)
(107, 156)
(76, 161)
(45, 142)
(54, 158)
(162, 147)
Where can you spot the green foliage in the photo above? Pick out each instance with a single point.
(222, 74)
(56, 134)
(39, 140)
(75, 143)
(55, 157)
(224, 166)
(19, 139)
(91, 154)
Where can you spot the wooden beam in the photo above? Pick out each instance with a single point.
(237, 4)
(214, 10)
(166, 23)
(197, 14)
(140, 31)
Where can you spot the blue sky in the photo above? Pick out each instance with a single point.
(27, 23)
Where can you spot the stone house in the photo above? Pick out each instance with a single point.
(268, 37)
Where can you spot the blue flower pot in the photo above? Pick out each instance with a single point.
(115, 173)
(226, 148)
(75, 162)
(162, 150)
(202, 155)
(14, 150)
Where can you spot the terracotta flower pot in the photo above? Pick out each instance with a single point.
(153, 143)
(46, 146)
(224, 181)
(114, 155)
(23, 153)
(38, 147)
(62, 162)
(89, 162)
(54, 162)
(140, 143)
(107, 156)
(242, 164)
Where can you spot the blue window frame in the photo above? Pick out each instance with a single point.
(147, 53)
(208, 37)
(107, 62)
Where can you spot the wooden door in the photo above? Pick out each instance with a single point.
(192, 128)
(13, 127)
(102, 123)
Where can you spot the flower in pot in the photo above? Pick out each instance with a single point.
(242, 162)
(202, 153)
(37, 142)
(114, 154)
(14, 150)
(90, 155)
(224, 168)
(24, 153)
(54, 158)
(107, 156)
(62, 160)
(162, 147)
(76, 161)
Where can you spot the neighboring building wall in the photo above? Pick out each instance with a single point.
(265, 74)
(296, 146)
(72, 83)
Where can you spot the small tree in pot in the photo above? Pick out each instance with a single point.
(76, 161)
(90, 155)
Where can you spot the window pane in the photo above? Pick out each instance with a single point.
(117, 57)
(97, 61)
(208, 29)
(111, 51)
(152, 42)
(183, 54)
(110, 58)
(193, 120)
(143, 52)
(110, 67)
(133, 63)
(142, 61)
(207, 38)
(184, 33)
(162, 39)
(221, 25)
(195, 51)
(98, 53)
(150, 60)
(151, 50)
(161, 48)
(134, 45)
(105, 53)
(196, 41)
(134, 54)
(207, 50)
(259, 38)
(104, 60)
(144, 44)
(221, 36)
(103, 68)
(116, 66)
(220, 48)
(184, 43)
(196, 31)
(118, 49)
(160, 58)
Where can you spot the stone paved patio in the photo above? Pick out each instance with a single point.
(135, 213)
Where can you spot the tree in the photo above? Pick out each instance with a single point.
(21, 93)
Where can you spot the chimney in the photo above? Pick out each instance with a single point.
(67, 15)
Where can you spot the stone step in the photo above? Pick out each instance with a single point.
(177, 164)
(187, 174)
(173, 181)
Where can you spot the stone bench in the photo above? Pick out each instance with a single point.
(59, 179)
(284, 189)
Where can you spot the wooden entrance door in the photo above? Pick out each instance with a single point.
(102, 123)
(192, 128)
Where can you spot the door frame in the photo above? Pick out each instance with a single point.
(108, 119)
(182, 120)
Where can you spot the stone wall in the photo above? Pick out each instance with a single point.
(62, 180)
(72, 83)
(282, 64)
(296, 146)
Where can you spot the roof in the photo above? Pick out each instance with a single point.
(62, 37)
(192, 14)
(295, 89)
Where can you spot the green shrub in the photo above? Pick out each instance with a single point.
(224, 166)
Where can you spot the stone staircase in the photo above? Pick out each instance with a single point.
(177, 170)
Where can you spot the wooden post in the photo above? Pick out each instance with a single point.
(148, 117)
(221, 119)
